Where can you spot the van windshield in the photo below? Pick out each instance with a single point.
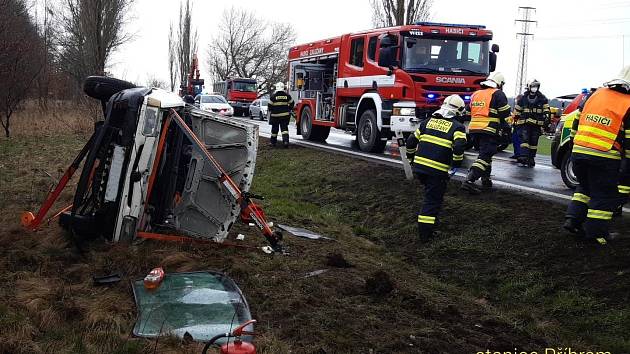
(453, 56)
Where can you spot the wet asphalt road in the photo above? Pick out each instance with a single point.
(543, 179)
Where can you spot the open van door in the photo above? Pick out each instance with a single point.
(206, 209)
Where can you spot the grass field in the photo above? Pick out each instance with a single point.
(544, 146)
(501, 276)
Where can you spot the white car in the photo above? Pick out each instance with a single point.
(258, 109)
(214, 103)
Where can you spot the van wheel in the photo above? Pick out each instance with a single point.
(102, 87)
(368, 135)
(566, 171)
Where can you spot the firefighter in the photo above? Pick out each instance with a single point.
(531, 112)
(624, 184)
(280, 106)
(601, 149)
(489, 109)
(437, 145)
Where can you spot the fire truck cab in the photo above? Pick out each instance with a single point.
(376, 82)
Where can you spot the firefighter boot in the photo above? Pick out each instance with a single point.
(469, 184)
(531, 162)
(486, 183)
(470, 187)
(573, 226)
(425, 233)
(619, 211)
(285, 139)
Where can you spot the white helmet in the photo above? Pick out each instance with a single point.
(279, 86)
(453, 106)
(622, 79)
(495, 80)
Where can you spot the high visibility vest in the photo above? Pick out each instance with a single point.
(480, 111)
(601, 119)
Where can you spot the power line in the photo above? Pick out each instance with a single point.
(526, 20)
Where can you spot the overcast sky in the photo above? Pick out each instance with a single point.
(576, 44)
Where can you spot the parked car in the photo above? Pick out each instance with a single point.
(214, 103)
(258, 109)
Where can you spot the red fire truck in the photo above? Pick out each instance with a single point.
(239, 93)
(385, 80)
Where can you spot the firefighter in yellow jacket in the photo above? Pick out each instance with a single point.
(436, 146)
(601, 149)
(489, 109)
(280, 106)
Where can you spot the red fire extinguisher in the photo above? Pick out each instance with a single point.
(237, 346)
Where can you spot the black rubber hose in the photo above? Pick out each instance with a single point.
(214, 339)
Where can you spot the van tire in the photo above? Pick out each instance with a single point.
(102, 87)
(566, 171)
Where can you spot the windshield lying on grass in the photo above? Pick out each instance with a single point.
(203, 304)
(245, 86)
(450, 56)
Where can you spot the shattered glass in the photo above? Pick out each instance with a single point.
(203, 304)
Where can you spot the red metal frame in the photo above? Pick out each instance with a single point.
(32, 222)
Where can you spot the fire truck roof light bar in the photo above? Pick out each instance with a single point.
(448, 25)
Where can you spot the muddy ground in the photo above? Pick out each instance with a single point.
(501, 276)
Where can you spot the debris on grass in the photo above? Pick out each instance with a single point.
(379, 283)
(337, 260)
(315, 273)
(106, 279)
(299, 232)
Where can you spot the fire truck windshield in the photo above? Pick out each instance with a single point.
(247, 86)
(453, 56)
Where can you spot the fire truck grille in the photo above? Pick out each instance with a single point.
(448, 88)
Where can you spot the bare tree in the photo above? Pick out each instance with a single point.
(153, 81)
(247, 46)
(172, 56)
(186, 41)
(87, 33)
(21, 58)
(388, 13)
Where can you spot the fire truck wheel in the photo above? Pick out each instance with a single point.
(368, 135)
(309, 131)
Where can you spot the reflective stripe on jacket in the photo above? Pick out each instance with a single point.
(532, 111)
(280, 105)
(599, 130)
(436, 145)
(487, 108)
